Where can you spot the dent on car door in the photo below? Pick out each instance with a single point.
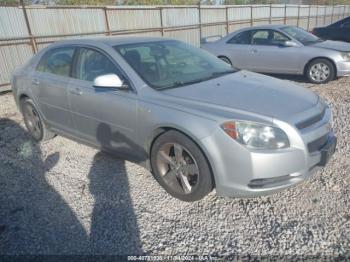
(49, 85)
(105, 117)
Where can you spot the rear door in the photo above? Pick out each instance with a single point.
(237, 48)
(103, 116)
(49, 83)
(268, 55)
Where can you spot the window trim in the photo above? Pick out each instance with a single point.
(47, 52)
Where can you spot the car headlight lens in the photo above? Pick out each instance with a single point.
(346, 56)
(257, 136)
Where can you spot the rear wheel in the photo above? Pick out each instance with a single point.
(320, 71)
(33, 121)
(180, 167)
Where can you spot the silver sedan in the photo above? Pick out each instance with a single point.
(177, 110)
(283, 49)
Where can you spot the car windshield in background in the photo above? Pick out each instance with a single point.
(301, 35)
(169, 64)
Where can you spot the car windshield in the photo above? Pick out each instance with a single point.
(171, 63)
(301, 35)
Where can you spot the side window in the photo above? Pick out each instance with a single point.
(241, 39)
(278, 38)
(346, 24)
(57, 61)
(91, 64)
(261, 37)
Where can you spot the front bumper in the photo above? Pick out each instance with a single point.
(343, 68)
(242, 172)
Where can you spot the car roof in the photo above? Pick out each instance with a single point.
(266, 27)
(111, 40)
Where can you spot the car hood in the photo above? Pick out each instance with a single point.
(249, 92)
(333, 45)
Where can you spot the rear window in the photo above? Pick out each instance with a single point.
(57, 61)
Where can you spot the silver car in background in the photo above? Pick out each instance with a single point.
(282, 49)
(190, 118)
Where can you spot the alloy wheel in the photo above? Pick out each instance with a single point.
(33, 121)
(177, 168)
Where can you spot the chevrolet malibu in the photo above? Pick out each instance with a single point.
(282, 49)
(192, 120)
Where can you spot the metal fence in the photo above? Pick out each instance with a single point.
(26, 29)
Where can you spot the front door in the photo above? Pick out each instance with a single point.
(268, 55)
(106, 117)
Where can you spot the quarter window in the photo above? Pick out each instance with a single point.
(57, 61)
(91, 64)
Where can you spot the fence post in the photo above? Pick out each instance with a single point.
(227, 22)
(270, 17)
(298, 15)
(308, 19)
(251, 15)
(285, 14)
(324, 15)
(332, 13)
(200, 20)
(108, 32)
(161, 20)
(343, 11)
(32, 39)
(316, 15)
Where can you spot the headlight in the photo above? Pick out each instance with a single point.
(257, 136)
(345, 56)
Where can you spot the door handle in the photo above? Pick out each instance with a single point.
(76, 91)
(35, 82)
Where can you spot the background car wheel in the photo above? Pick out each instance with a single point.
(180, 167)
(225, 59)
(33, 121)
(320, 71)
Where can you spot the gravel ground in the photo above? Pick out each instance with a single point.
(61, 197)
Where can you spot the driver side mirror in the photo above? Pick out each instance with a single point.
(110, 81)
(289, 44)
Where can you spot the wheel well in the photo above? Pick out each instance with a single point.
(161, 130)
(321, 57)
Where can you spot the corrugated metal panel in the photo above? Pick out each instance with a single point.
(11, 57)
(313, 11)
(190, 36)
(213, 15)
(277, 10)
(235, 27)
(47, 21)
(239, 13)
(261, 11)
(304, 10)
(214, 30)
(12, 23)
(292, 10)
(120, 19)
(180, 16)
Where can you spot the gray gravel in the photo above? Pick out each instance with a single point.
(61, 197)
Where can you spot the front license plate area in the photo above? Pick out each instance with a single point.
(328, 150)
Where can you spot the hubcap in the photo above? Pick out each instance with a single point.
(319, 72)
(33, 121)
(177, 168)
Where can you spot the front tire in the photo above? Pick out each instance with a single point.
(180, 167)
(320, 71)
(34, 122)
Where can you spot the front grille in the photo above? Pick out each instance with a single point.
(310, 121)
(317, 144)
